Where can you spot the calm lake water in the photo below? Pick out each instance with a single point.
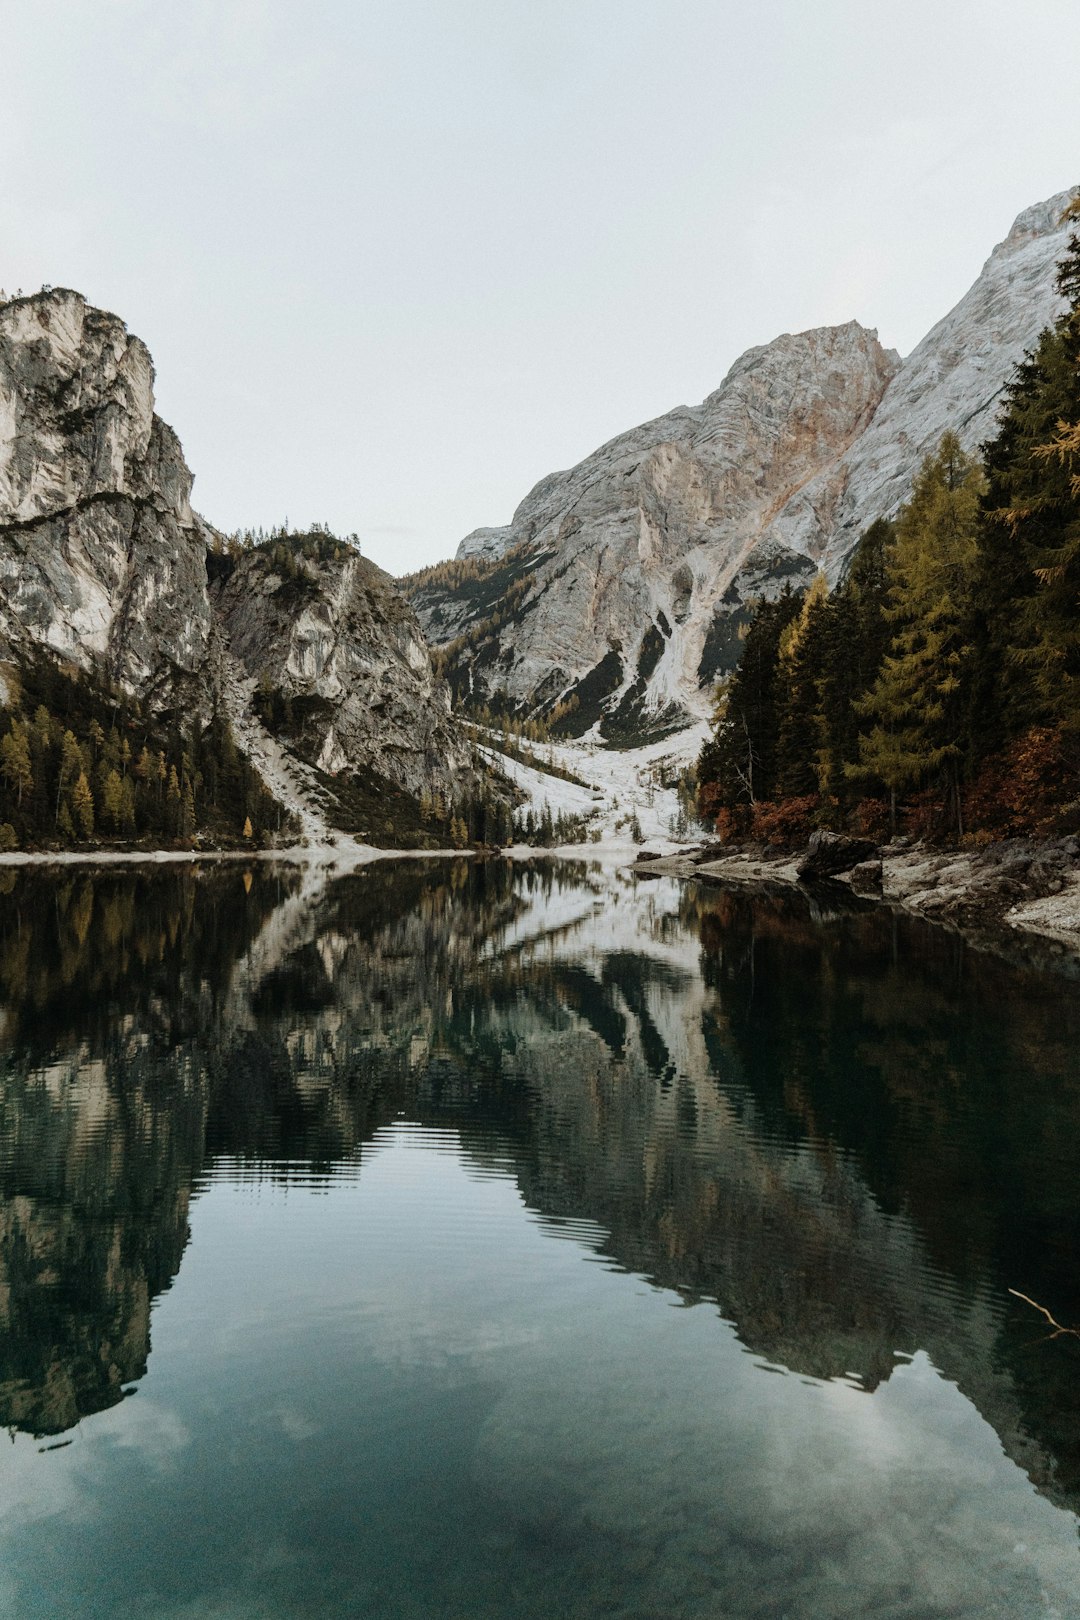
(455, 1240)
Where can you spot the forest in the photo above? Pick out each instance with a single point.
(936, 690)
(82, 762)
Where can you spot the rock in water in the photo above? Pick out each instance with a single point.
(831, 853)
(867, 877)
(620, 586)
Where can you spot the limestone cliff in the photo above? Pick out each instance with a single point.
(101, 557)
(620, 586)
(104, 566)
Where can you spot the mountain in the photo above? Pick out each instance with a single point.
(101, 558)
(618, 591)
(308, 649)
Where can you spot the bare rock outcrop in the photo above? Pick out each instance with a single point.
(615, 570)
(339, 647)
(101, 558)
(104, 566)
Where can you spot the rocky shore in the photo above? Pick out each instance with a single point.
(1016, 896)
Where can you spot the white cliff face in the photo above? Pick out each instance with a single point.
(104, 564)
(955, 378)
(100, 557)
(632, 571)
(486, 543)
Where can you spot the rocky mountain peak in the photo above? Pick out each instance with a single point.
(621, 584)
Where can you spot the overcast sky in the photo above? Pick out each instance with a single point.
(397, 259)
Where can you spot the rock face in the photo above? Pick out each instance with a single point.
(104, 564)
(337, 641)
(624, 561)
(101, 557)
(622, 584)
(954, 378)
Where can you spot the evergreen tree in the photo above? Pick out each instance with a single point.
(738, 766)
(800, 740)
(1028, 592)
(916, 706)
(112, 800)
(15, 765)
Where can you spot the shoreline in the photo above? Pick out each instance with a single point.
(1015, 897)
(342, 856)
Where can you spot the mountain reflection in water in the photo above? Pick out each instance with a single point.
(848, 1134)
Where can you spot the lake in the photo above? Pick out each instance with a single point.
(455, 1239)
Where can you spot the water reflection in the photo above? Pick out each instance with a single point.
(852, 1134)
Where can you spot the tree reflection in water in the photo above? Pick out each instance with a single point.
(852, 1133)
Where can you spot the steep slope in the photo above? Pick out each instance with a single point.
(615, 568)
(101, 557)
(621, 585)
(330, 657)
(954, 378)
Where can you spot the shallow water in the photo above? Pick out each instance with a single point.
(451, 1240)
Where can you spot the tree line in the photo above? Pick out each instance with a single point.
(936, 690)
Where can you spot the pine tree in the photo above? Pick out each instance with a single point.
(71, 763)
(112, 800)
(800, 673)
(917, 704)
(1029, 578)
(738, 765)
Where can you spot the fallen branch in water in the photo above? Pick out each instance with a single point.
(1069, 1332)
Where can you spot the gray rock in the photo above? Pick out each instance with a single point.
(104, 563)
(829, 854)
(342, 645)
(101, 557)
(866, 877)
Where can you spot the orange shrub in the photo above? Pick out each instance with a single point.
(1029, 789)
(787, 821)
(871, 819)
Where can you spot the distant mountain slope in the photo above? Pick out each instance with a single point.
(620, 586)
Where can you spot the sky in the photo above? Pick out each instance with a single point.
(396, 260)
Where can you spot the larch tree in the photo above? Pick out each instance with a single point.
(917, 705)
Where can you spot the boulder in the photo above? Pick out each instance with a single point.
(866, 878)
(831, 853)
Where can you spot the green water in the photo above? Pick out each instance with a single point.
(496, 1240)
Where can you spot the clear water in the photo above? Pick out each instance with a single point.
(452, 1241)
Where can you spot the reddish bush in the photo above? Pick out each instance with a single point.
(926, 815)
(732, 824)
(1029, 789)
(871, 818)
(786, 822)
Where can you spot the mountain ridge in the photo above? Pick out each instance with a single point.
(737, 530)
